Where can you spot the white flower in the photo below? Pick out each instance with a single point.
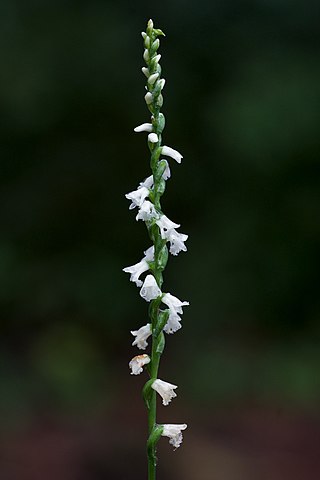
(150, 290)
(170, 152)
(145, 71)
(136, 270)
(141, 336)
(153, 78)
(148, 182)
(146, 55)
(173, 324)
(176, 241)
(153, 138)
(165, 224)
(147, 211)
(144, 127)
(165, 390)
(140, 267)
(148, 98)
(173, 431)
(143, 35)
(175, 305)
(137, 197)
(137, 363)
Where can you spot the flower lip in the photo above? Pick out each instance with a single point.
(173, 431)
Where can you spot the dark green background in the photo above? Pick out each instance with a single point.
(242, 104)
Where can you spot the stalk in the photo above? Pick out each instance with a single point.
(161, 231)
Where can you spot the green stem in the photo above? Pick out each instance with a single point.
(158, 124)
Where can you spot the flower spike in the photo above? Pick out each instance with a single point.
(165, 238)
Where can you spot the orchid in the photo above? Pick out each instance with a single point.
(164, 235)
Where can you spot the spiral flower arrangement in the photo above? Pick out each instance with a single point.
(165, 309)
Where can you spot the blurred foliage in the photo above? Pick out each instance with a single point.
(242, 104)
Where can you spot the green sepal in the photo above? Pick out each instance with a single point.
(160, 169)
(157, 31)
(163, 258)
(153, 308)
(154, 47)
(151, 196)
(161, 186)
(161, 122)
(155, 157)
(159, 101)
(153, 232)
(154, 438)
(157, 89)
(147, 392)
(162, 320)
(161, 341)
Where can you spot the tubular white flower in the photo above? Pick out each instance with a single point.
(175, 305)
(150, 290)
(137, 197)
(165, 224)
(144, 35)
(173, 324)
(145, 71)
(165, 390)
(176, 241)
(136, 270)
(147, 211)
(138, 362)
(153, 78)
(153, 138)
(170, 152)
(144, 127)
(146, 55)
(140, 267)
(141, 336)
(173, 431)
(148, 98)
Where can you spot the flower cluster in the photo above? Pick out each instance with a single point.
(165, 309)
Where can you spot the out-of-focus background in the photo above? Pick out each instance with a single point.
(242, 104)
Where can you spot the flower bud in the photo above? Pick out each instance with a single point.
(145, 71)
(147, 42)
(160, 100)
(153, 78)
(148, 98)
(146, 55)
(155, 45)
